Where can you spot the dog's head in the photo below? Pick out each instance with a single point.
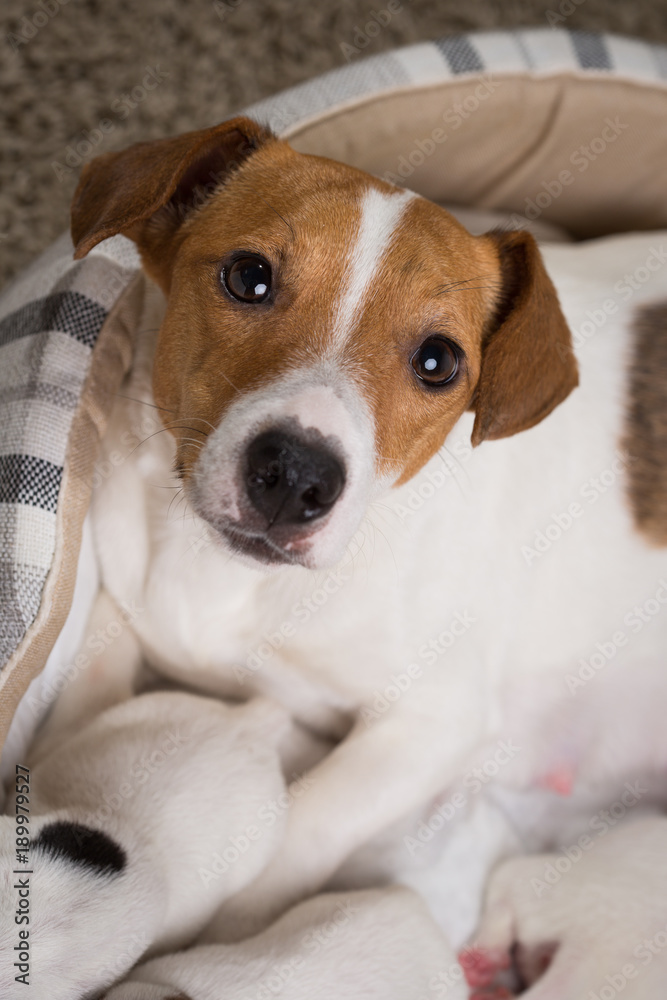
(324, 329)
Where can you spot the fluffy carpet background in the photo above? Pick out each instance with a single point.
(212, 57)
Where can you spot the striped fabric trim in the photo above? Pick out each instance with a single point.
(591, 50)
(536, 50)
(460, 54)
(69, 312)
(50, 317)
(46, 346)
(25, 479)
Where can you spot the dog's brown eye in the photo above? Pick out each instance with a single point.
(436, 361)
(248, 279)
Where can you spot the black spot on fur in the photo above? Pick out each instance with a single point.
(83, 846)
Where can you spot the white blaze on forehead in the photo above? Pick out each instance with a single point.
(380, 216)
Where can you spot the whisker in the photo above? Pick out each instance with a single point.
(393, 557)
(200, 444)
(175, 497)
(229, 382)
(288, 224)
(144, 402)
(183, 427)
(203, 420)
(162, 430)
(471, 288)
(455, 285)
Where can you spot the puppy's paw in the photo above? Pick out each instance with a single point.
(590, 921)
(482, 965)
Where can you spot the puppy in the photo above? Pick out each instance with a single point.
(596, 921)
(397, 516)
(379, 943)
(139, 828)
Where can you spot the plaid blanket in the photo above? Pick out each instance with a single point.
(51, 317)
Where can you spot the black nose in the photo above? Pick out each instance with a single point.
(289, 481)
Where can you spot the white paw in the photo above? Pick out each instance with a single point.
(589, 922)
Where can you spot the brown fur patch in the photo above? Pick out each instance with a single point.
(491, 294)
(646, 424)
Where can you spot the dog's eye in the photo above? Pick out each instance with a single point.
(436, 361)
(248, 279)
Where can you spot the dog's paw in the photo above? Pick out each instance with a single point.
(483, 965)
(590, 921)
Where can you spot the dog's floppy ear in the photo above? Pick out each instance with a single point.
(118, 192)
(528, 367)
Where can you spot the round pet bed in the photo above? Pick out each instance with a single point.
(549, 125)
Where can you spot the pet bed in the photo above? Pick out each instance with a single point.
(559, 126)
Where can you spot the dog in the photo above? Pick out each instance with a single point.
(377, 943)
(409, 510)
(132, 821)
(612, 900)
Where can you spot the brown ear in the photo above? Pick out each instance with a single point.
(528, 367)
(119, 191)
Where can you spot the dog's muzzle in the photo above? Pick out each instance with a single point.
(290, 481)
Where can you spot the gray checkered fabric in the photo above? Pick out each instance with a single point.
(51, 316)
(49, 322)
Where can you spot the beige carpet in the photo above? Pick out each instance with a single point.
(84, 55)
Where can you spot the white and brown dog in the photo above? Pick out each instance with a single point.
(331, 351)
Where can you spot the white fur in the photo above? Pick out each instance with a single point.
(374, 944)
(380, 219)
(420, 568)
(606, 913)
(319, 397)
(171, 778)
(322, 397)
